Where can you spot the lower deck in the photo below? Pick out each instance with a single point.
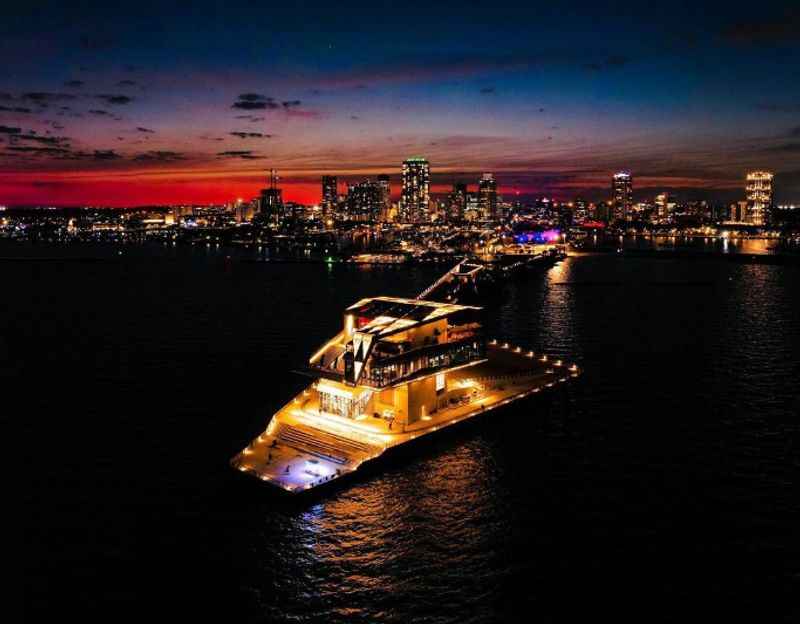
(304, 447)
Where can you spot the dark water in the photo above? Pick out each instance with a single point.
(662, 486)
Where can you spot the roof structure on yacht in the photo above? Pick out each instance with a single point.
(391, 314)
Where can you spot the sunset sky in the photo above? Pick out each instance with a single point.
(192, 102)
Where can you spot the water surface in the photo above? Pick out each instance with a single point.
(661, 486)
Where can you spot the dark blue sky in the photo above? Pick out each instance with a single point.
(142, 103)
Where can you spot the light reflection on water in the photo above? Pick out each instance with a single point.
(450, 526)
(670, 461)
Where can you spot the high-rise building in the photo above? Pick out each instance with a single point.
(487, 197)
(415, 194)
(457, 202)
(243, 211)
(386, 197)
(365, 201)
(602, 212)
(330, 194)
(759, 197)
(270, 202)
(665, 206)
(581, 209)
(622, 195)
(737, 212)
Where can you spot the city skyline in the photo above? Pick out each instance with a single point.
(166, 107)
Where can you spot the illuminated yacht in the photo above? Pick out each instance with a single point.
(399, 369)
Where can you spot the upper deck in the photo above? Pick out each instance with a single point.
(387, 340)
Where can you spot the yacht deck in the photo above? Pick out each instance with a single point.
(303, 448)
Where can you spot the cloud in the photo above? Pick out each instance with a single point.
(254, 105)
(250, 118)
(30, 149)
(100, 113)
(244, 154)
(250, 135)
(106, 155)
(126, 83)
(114, 99)
(43, 98)
(103, 154)
(15, 109)
(159, 156)
(308, 114)
(255, 101)
(147, 130)
(9, 130)
(74, 84)
(32, 137)
(487, 90)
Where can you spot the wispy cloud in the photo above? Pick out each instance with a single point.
(250, 135)
(114, 99)
(243, 154)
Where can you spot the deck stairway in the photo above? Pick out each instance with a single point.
(325, 444)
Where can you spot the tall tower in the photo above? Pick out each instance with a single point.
(415, 195)
(386, 196)
(487, 196)
(271, 199)
(330, 194)
(759, 197)
(665, 205)
(365, 201)
(622, 195)
(458, 202)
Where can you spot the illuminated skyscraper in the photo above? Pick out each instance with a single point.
(759, 197)
(487, 197)
(330, 194)
(622, 195)
(415, 195)
(457, 202)
(665, 206)
(581, 209)
(386, 197)
(365, 201)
